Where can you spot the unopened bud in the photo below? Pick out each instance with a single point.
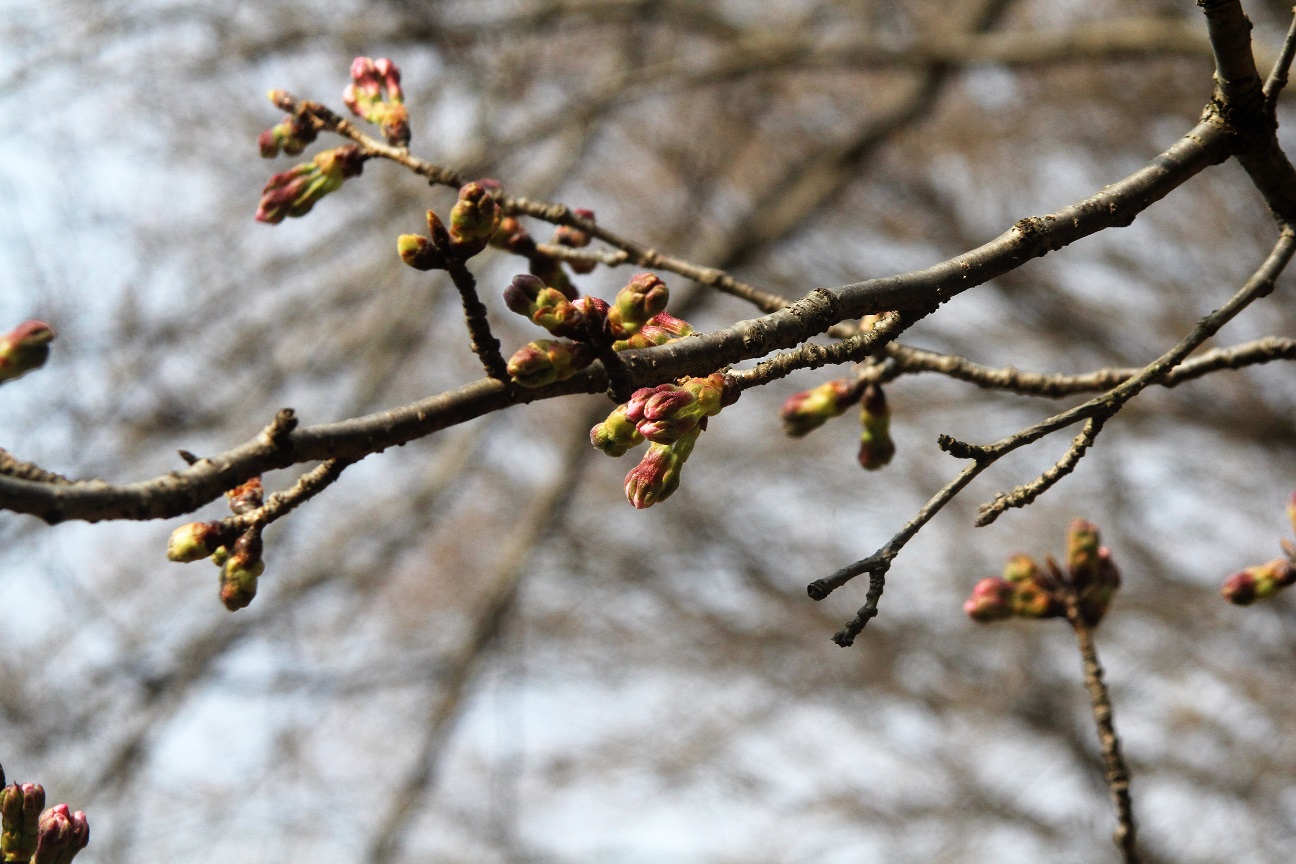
(246, 497)
(62, 835)
(1259, 582)
(657, 475)
(991, 600)
(24, 348)
(545, 361)
(291, 136)
(876, 447)
(1032, 600)
(1082, 553)
(510, 235)
(474, 219)
(615, 435)
(194, 541)
(528, 295)
(418, 252)
(1022, 568)
(663, 328)
(644, 297)
(20, 808)
(806, 411)
(295, 191)
(364, 97)
(1291, 510)
(238, 578)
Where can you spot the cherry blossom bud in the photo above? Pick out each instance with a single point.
(657, 475)
(991, 600)
(246, 496)
(575, 238)
(594, 311)
(1022, 568)
(195, 541)
(239, 574)
(615, 435)
(1030, 599)
(660, 330)
(418, 252)
(636, 304)
(1258, 582)
(295, 191)
(545, 361)
(876, 446)
(806, 411)
(20, 809)
(1095, 597)
(291, 136)
(474, 219)
(528, 295)
(510, 235)
(1082, 553)
(61, 835)
(364, 97)
(24, 348)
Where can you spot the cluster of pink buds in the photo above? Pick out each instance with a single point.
(474, 220)
(364, 96)
(24, 348)
(670, 417)
(295, 191)
(30, 834)
(237, 552)
(291, 136)
(1264, 580)
(1029, 590)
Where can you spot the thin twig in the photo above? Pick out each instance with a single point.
(1024, 495)
(1277, 79)
(282, 503)
(1116, 771)
(483, 341)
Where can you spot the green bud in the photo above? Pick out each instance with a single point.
(615, 435)
(657, 475)
(1022, 568)
(24, 349)
(636, 304)
(20, 809)
(806, 411)
(1082, 552)
(295, 191)
(474, 219)
(545, 361)
(876, 447)
(194, 541)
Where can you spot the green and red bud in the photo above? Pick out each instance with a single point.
(511, 236)
(663, 328)
(1095, 597)
(527, 295)
(239, 573)
(61, 835)
(1258, 582)
(664, 413)
(991, 600)
(364, 97)
(20, 808)
(806, 411)
(876, 447)
(418, 252)
(657, 475)
(1082, 552)
(617, 434)
(246, 497)
(291, 136)
(637, 303)
(1032, 599)
(195, 541)
(1022, 568)
(545, 361)
(295, 191)
(24, 349)
(474, 219)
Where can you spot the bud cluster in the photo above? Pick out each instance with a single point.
(474, 220)
(1028, 590)
(236, 552)
(364, 96)
(575, 238)
(1264, 580)
(670, 417)
(295, 191)
(31, 834)
(291, 136)
(24, 348)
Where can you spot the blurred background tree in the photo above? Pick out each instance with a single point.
(471, 649)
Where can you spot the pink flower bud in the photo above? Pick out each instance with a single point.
(24, 349)
(195, 541)
(615, 435)
(364, 97)
(991, 600)
(1259, 582)
(660, 330)
(806, 411)
(657, 475)
(546, 306)
(876, 447)
(61, 835)
(291, 136)
(295, 191)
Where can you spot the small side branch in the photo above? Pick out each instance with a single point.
(1116, 771)
(1277, 79)
(484, 343)
(280, 504)
(1025, 494)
